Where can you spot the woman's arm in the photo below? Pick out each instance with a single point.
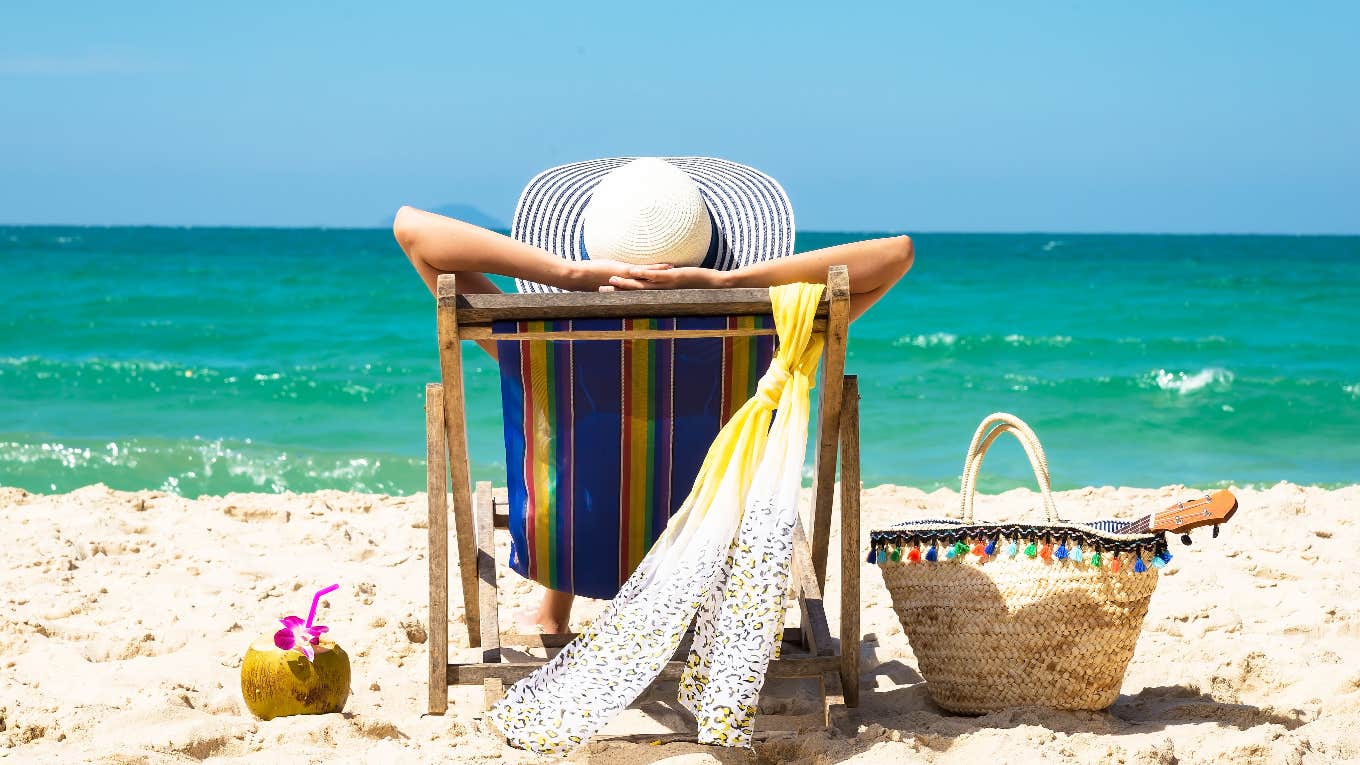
(875, 266)
(438, 245)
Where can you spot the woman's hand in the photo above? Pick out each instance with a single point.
(592, 275)
(665, 277)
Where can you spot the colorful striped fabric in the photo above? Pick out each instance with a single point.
(603, 438)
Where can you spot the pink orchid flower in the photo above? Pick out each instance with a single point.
(303, 635)
(296, 634)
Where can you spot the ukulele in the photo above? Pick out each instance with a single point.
(1180, 518)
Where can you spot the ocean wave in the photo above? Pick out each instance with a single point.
(1217, 342)
(127, 377)
(950, 340)
(1354, 390)
(927, 341)
(1051, 340)
(200, 465)
(1184, 384)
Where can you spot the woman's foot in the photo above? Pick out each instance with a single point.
(552, 616)
(528, 622)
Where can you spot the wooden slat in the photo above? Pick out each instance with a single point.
(493, 690)
(486, 576)
(850, 495)
(833, 699)
(436, 477)
(500, 501)
(787, 723)
(537, 640)
(510, 672)
(455, 417)
(486, 308)
(828, 423)
(816, 631)
(659, 739)
(485, 332)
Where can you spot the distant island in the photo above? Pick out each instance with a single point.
(466, 213)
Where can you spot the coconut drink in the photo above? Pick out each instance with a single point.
(297, 670)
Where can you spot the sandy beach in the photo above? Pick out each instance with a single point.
(125, 616)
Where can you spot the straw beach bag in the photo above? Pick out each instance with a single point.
(1017, 614)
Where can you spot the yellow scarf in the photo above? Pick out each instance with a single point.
(724, 556)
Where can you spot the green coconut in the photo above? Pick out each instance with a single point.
(278, 683)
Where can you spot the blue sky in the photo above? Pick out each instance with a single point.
(1156, 116)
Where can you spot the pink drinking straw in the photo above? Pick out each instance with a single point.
(300, 635)
(316, 600)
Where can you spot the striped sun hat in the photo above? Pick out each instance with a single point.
(749, 213)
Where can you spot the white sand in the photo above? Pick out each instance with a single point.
(125, 615)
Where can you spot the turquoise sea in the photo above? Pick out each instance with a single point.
(203, 361)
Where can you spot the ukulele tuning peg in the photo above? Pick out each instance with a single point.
(1215, 531)
(1185, 539)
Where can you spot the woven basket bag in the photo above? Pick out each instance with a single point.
(1016, 614)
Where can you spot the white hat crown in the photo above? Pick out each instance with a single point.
(647, 211)
(748, 217)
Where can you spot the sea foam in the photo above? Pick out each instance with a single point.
(1182, 383)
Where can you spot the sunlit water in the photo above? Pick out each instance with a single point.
(204, 361)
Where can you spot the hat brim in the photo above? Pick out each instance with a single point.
(751, 214)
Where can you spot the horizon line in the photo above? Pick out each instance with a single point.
(947, 232)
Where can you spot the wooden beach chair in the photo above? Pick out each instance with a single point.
(808, 651)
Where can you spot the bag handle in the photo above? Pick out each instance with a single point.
(977, 450)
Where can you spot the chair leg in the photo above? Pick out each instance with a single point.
(829, 413)
(493, 690)
(816, 631)
(833, 700)
(850, 495)
(436, 484)
(455, 422)
(486, 575)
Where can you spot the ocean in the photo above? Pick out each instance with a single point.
(206, 361)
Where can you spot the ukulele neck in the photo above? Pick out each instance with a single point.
(1140, 526)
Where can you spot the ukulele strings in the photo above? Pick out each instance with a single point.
(1143, 524)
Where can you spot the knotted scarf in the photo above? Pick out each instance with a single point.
(724, 557)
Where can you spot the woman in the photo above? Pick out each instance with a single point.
(673, 219)
(438, 245)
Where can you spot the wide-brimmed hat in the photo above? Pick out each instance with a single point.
(750, 215)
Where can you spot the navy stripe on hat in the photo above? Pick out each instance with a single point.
(751, 214)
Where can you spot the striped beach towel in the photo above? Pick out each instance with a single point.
(603, 438)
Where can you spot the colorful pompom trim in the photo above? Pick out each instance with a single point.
(935, 544)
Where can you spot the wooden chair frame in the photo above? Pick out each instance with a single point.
(808, 650)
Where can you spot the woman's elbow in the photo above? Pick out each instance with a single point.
(902, 253)
(405, 225)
